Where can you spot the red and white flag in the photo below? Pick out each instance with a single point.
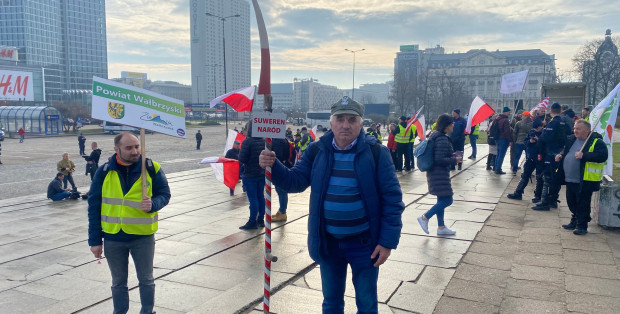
(413, 119)
(240, 100)
(232, 137)
(227, 173)
(419, 125)
(313, 132)
(542, 105)
(478, 112)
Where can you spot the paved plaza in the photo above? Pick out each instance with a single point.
(504, 258)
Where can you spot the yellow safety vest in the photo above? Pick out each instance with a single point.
(401, 137)
(593, 170)
(122, 212)
(303, 147)
(413, 129)
(433, 126)
(476, 130)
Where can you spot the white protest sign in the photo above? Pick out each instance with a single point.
(137, 107)
(268, 125)
(513, 82)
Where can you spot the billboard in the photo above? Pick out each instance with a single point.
(8, 53)
(128, 105)
(15, 85)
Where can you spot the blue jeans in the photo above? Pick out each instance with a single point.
(502, 147)
(142, 251)
(21, 138)
(438, 209)
(254, 189)
(334, 275)
(68, 177)
(283, 199)
(472, 141)
(60, 196)
(518, 150)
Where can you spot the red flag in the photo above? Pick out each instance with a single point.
(478, 112)
(229, 173)
(240, 100)
(413, 119)
(544, 104)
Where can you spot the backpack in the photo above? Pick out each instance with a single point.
(493, 133)
(424, 155)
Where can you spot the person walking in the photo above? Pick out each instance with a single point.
(458, 136)
(22, 134)
(438, 177)
(55, 192)
(253, 179)
(350, 222)
(582, 170)
(67, 167)
(82, 143)
(198, 140)
(519, 133)
(121, 221)
(504, 140)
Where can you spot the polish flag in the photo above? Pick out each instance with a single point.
(419, 124)
(230, 140)
(227, 173)
(413, 119)
(478, 112)
(542, 105)
(240, 100)
(313, 133)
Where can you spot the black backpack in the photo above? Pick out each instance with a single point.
(493, 133)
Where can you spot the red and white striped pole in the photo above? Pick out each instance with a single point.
(268, 256)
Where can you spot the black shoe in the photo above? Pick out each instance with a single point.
(500, 172)
(260, 224)
(489, 168)
(249, 226)
(570, 226)
(554, 205)
(460, 166)
(515, 196)
(536, 200)
(471, 157)
(541, 207)
(580, 231)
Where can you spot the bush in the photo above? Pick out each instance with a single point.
(209, 122)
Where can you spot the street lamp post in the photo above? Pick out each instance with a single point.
(545, 73)
(223, 19)
(353, 52)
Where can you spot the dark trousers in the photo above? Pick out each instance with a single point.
(410, 152)
(472, 141)
(551, 186)
(82, 147)
(517, 151)
(68, 177)
(502, 147)
(578, 202)
(402, 149)
(198, 144)
(393, 155)
(530, 165)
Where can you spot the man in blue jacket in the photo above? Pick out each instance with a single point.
(126, 221)
(355, 210)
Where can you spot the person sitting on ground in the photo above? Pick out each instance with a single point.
(55, 192)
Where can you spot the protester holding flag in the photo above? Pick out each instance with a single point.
(253, 179)
(233, 153)
(458, 135)
(603, 118)
(582, 169)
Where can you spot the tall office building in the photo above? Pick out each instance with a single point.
(208, 51)
(66, 38)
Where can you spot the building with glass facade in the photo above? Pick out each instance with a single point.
(66, 38)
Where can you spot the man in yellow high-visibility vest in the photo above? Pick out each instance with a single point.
(126, 221)
(583, 171)
(402, 136)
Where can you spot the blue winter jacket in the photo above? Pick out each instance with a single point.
(380, 190)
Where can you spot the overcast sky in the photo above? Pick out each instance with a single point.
(308, 37)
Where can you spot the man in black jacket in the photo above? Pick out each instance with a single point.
(531, 163)
(55, 192)
(92, 161)
(583, 171)
(198, 139)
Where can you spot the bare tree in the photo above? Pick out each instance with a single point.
(446, 92)
(403, 91)
(598, 65)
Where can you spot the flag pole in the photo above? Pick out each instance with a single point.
(143, 168)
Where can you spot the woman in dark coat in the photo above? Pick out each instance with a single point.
(439, 176)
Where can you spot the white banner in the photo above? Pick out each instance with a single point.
(513, 82)
(128, 105)
(607, 111)
(268, 125)
(16, 86)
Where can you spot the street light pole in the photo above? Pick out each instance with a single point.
(223, 19)
(353, 52)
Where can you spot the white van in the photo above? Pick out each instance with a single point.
(113, 128)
